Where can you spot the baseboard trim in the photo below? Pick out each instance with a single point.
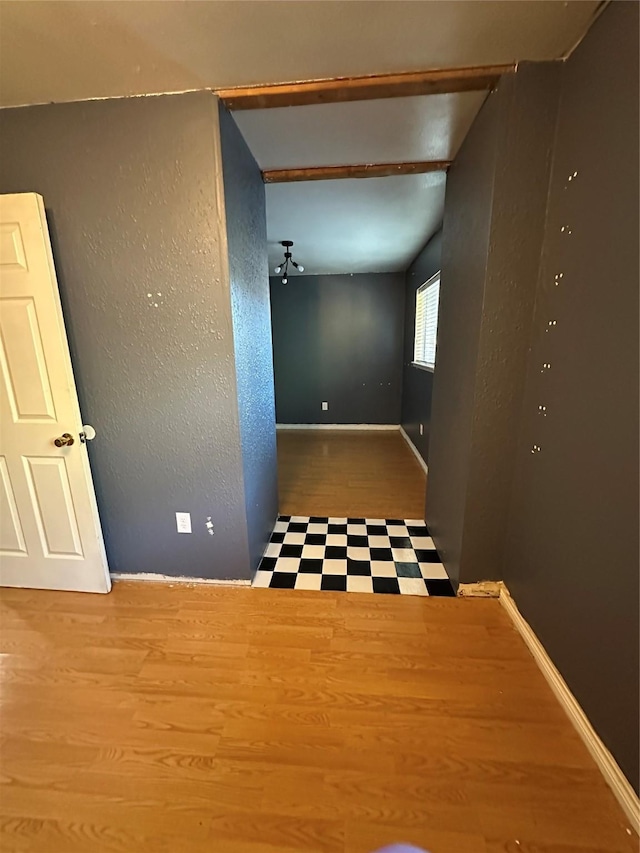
(339, 426)
(414, 450)
(156, 578)
(613, 775)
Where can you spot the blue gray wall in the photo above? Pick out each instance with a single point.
(466, 229)
(572, 555)
(339, 339)
(533, 472)
(244, 207)
(492, 237)
(134, 200)
(417, 383)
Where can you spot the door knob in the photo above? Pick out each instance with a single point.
(65, 440)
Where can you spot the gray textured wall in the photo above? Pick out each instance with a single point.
(572, 559)
(338, 338)
(244, 205)
(528, 103)
(417, 384)
(494, 219)
(465, 246)
(130, 187)
(562, 530)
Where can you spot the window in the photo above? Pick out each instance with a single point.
(424, 347)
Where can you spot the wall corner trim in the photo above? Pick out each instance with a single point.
(613, 775)
(414, 450)
(480, 589)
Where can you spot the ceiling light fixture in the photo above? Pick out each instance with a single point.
(284, 266)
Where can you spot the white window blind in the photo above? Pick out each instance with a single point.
(427, 298)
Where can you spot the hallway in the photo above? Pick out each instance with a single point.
(352, 504)
(349, 473)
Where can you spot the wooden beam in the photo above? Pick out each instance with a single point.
(341, 89)
(366, 170)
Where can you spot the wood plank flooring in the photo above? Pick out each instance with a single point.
(345, 473)
(165, 718)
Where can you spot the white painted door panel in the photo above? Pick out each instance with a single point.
(50, 535)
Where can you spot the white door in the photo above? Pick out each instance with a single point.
(50, 536)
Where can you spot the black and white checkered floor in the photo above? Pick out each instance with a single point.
(353, 555)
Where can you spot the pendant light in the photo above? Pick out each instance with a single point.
(284, 266)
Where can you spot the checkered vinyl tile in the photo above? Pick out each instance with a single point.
(353, 555)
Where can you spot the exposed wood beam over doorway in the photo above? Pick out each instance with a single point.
(340, 89)
(365, 170)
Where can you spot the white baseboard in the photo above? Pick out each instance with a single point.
(414, 450)
(150, 576)
(614, 777)
(339, 426)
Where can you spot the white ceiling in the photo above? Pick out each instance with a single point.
(65, 51)
(362, 225)
(386, 131)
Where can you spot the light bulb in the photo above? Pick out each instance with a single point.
(278, 269)
(300, 268)
(285, 280)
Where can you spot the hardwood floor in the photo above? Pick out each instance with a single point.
(351, 473)
(164, 718)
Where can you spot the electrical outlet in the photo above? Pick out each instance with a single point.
(421, 429)
(183, 522)
(325, 407)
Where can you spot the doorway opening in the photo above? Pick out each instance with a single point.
(354, 263)
(345, 332)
